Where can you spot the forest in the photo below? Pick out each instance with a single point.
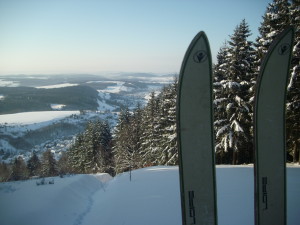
(147, 136)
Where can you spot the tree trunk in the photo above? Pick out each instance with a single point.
(297, 148)
(234, 156)
(295, 153)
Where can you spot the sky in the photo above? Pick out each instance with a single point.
(101, 36)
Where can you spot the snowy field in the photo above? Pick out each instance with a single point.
(151, 198)
(27, 118)
(57, 86)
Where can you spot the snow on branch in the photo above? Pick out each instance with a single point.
(236, 126)
(222, 130)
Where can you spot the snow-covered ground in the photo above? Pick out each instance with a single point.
(152, 197)
(5, 83)
(17, 126)
(58, 86)
(27, 118)
(118, 87)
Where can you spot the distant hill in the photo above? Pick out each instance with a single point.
(26, 99)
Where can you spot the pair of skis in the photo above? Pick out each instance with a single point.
(196, 138)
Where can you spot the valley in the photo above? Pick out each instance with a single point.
(44, 112)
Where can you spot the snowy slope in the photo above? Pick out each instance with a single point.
(64, 202)
(152, 197)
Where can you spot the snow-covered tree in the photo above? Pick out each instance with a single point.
(293, 96)
(92, 151)
(75, 155)
(150, 138)
(168, 154)
(124, 153)
(233, 124)
(220, 100)
(63, 164)
(275, 20)
(48, 164)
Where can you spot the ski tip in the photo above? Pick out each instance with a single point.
(286, 30)
(281, 35)
(200, 34)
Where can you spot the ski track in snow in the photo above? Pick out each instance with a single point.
(82, 215)
(91, 197)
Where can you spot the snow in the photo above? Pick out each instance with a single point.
(272, 34)
(5, 83)
(57, 106)
(64, 202)
(293, 76)
(58, 86)
(236, 126)
(103, 106)
(151, 197)
(148, 95)
(221, 130)
(27, 118)
(117, 87)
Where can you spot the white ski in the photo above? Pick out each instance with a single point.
(269, 132)
(195, 135)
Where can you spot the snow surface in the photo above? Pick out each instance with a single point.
(27, 118)
(57, 106)
(57, 86)
(6, 83)
(152, 197)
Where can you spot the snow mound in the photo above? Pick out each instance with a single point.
(103, 177)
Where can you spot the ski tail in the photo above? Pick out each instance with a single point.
(195, 135)
(269, 132)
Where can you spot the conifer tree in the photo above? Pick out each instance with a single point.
(91, 152)
(106, 148)
(234, 130)
(63, 164)
(275, 20)
(19, 170)
(34, 165)
(293, 96)
(220, 100)
(48, 165)
(5, 172)
(168, 154)
(150, 138)
(75, 155)
(92, 148)
(120, 149)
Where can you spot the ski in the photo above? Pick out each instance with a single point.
(269, 132)
(195, 135)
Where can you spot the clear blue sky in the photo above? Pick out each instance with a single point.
(94, 36)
